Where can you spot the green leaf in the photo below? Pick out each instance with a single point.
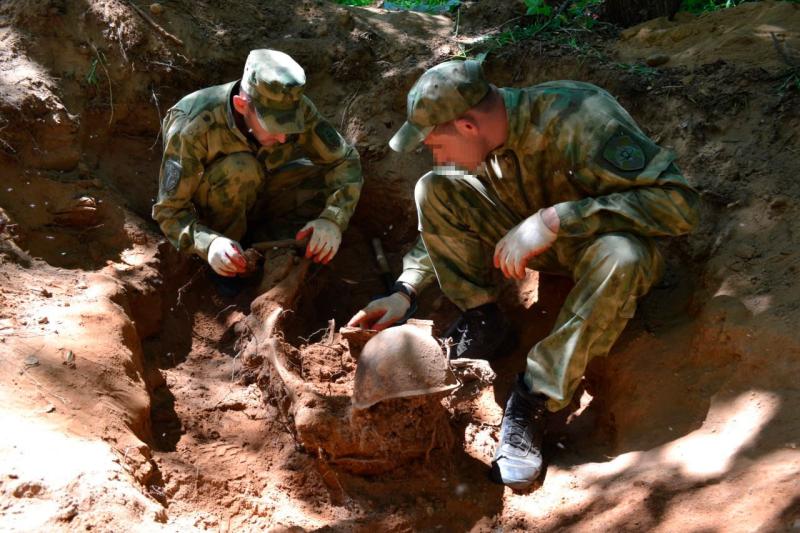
(538, 7)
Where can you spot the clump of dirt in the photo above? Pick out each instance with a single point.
(313, 388)
(328, 366)
(744, 35)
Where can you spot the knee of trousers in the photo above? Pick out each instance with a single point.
(627, 256)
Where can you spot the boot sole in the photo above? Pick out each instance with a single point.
(517, 485)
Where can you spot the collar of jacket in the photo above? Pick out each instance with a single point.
(518, 113)
(229, 118)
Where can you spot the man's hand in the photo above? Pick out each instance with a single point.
(381, 313)
(226, 257)
(325, 239)
(527, 239)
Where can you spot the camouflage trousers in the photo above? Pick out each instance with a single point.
(461, 220)
(237, 195)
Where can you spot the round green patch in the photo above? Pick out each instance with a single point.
(624, 153)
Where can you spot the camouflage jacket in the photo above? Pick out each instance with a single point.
(200, 128)
(572, 146)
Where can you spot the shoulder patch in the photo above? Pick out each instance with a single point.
(328, 135)
(624, 152)
(172, 175)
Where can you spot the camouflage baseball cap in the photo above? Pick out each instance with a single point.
(441, 94)
(275, 82)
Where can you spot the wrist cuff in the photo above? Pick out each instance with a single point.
(406, 289)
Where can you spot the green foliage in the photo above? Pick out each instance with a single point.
(421, 5)
(707, 6)
(91, 76)
(538, 7)
(355, 2)
(639, 70)
(576, 15)
(791, 81)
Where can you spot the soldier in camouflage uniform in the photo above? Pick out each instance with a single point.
(250, 151)
(564, 182)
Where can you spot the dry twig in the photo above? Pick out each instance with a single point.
(185, 287)
(347, 105)
(108, 77)
(265, 246)
(158, 109)
(780, 48)
(155, 25)
(44, 389)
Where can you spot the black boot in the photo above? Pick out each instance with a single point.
(478, 334)
(518, 459)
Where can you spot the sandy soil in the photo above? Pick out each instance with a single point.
(127, 403)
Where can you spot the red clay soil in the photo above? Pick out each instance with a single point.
(130, 403)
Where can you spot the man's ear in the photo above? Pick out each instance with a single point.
(240, 104)
(466, 127)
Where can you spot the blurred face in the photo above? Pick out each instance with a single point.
(248, 112)
(457, 143)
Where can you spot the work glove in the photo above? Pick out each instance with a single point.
(325, 239)
(527, 239)
(381, 313)
(226, 257)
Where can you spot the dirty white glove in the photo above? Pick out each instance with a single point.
(527, 239)
(381, 313)
(226, 257)
(325, 239)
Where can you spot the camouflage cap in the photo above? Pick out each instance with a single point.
(441, 94)
(275, 82)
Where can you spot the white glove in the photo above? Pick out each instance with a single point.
(381, 313)
(226, 257)
(325, 239)
(527, 239)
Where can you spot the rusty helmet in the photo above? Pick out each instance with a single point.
(400, 362)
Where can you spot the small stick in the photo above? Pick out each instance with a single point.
(121, 46)
(110, 93)
(331, 332)
(8, 147)
(155, 25)
(283, 243)
(185, 287)
(350, 100)
(780, 48)
(43, 389)
(158, 109)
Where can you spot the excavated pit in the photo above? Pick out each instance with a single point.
(312, 384)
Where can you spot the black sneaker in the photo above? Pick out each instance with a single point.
(478, 334)
(518, 459)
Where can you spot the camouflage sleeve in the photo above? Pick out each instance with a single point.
(181, 172)
(632, 185)
(666, 210)
(417, 267)
(325, 146)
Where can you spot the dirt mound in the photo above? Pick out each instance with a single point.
(742, 35)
